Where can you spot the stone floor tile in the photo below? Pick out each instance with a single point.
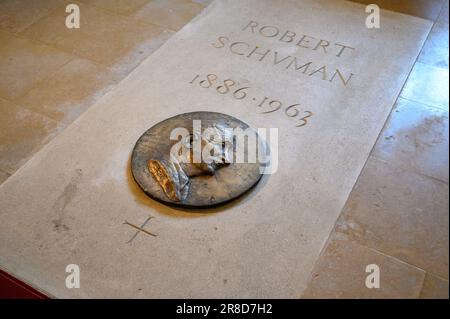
(434, 288)
(69, 91)
(427, 9)
(126, 7)
(443, 17)
(22, 133)
(428, 85)
(203, 2)
(172, 14)
(416, 138)
(144, 49)
(340, 272)
(3, 176)
(103, 37)
(16, 15)
(435, 50)
(401, 214)
(23, 63)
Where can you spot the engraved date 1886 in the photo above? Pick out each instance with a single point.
(265, 104)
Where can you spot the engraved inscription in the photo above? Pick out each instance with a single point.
(264, 104)
(303, 65)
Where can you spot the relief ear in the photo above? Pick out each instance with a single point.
(164, 179)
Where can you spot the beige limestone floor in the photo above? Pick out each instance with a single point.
(397, 213)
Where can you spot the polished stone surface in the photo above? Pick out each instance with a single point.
(203, 2)
(172, 14)
(104, 37)
(401, 214)
(70, 91)
(86, 193)
(434, 288)
(427, 9)
(340, 272)
(443, 17)
(23, 63)
(22, 134)
(435, 50)
(416, 138)
(428, 85)
(126, 7)
(47, 80)
(3, 176)
(17, 15)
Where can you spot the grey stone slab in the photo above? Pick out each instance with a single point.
(68, 204)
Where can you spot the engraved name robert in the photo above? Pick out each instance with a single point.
(331, 49)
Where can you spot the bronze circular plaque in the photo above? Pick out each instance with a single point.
(166, 168)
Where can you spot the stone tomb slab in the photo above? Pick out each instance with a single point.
(330, 83)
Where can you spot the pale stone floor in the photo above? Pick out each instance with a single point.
(397, 213)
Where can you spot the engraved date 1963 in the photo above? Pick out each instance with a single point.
(265, 104)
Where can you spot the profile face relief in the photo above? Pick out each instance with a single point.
(214, 149)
